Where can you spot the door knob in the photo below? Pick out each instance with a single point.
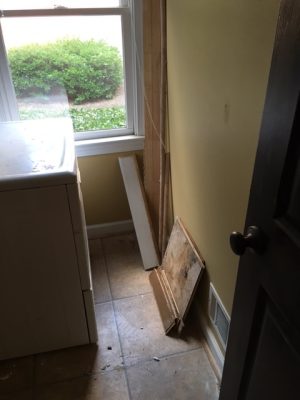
(253, 239)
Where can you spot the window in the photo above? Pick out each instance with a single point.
(77, 58)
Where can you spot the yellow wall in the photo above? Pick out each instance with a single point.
(219, 54)
(103, 190)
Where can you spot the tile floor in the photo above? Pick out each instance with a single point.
(134, 360)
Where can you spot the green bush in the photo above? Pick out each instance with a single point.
(88, 70)
(84, 119)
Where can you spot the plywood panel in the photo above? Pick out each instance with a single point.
(183, 267)
(175, 281)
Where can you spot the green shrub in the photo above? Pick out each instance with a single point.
(84, 119)
(88, 70)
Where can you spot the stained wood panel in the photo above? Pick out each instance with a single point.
(183, 266)
(175, 281)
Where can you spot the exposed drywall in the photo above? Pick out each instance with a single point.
(103, 189)
(219, 54)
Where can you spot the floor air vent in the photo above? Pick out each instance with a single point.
(218, 315)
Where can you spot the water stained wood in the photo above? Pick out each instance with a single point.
(175, 281)
(166, 307)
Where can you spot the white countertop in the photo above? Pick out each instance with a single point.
(36, 153)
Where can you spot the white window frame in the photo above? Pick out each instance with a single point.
(102, 141)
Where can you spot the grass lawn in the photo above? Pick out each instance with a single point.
(84, 119)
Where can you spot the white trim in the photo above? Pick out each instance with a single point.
(138, 66)
(139, 211)
(118, 144)
(8, 102)
(103, 133)
(44, 12)
(210, 338)
(90, 315)
(128, 69)
(111, 228)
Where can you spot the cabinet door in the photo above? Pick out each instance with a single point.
(41, 302)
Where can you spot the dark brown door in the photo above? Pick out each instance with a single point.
(263, 353)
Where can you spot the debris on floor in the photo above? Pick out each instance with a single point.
(175, 281)
(105, 367)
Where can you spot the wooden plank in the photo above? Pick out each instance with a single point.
(139, 211)
(165, 204)
(183, 267)
(162, 130)
(153, 136)
(163, 298)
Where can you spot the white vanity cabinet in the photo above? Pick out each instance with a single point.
(46, 299)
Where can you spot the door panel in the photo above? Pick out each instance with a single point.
(271, 344)
(263, 353)
(288, 210)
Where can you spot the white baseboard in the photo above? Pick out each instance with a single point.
(111, 228)
(210, 338)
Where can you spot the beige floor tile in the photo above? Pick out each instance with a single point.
(187, 376)
(107, 386)
(64, 364)
(141, 331)
(16, 375)
(125, 268)
(78, 361)
(108, 338)
(99, 273)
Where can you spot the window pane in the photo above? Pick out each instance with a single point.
(40, 4)
(68, 66)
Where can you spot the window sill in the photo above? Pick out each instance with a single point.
(120, 144)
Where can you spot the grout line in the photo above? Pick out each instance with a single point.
(102, 302)
(123, 298)
(105, 265)
(141, 361)
(162, 357)
(132, 296)
(115, 319)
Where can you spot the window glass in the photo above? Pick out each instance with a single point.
(68, 66)
(43, 4)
